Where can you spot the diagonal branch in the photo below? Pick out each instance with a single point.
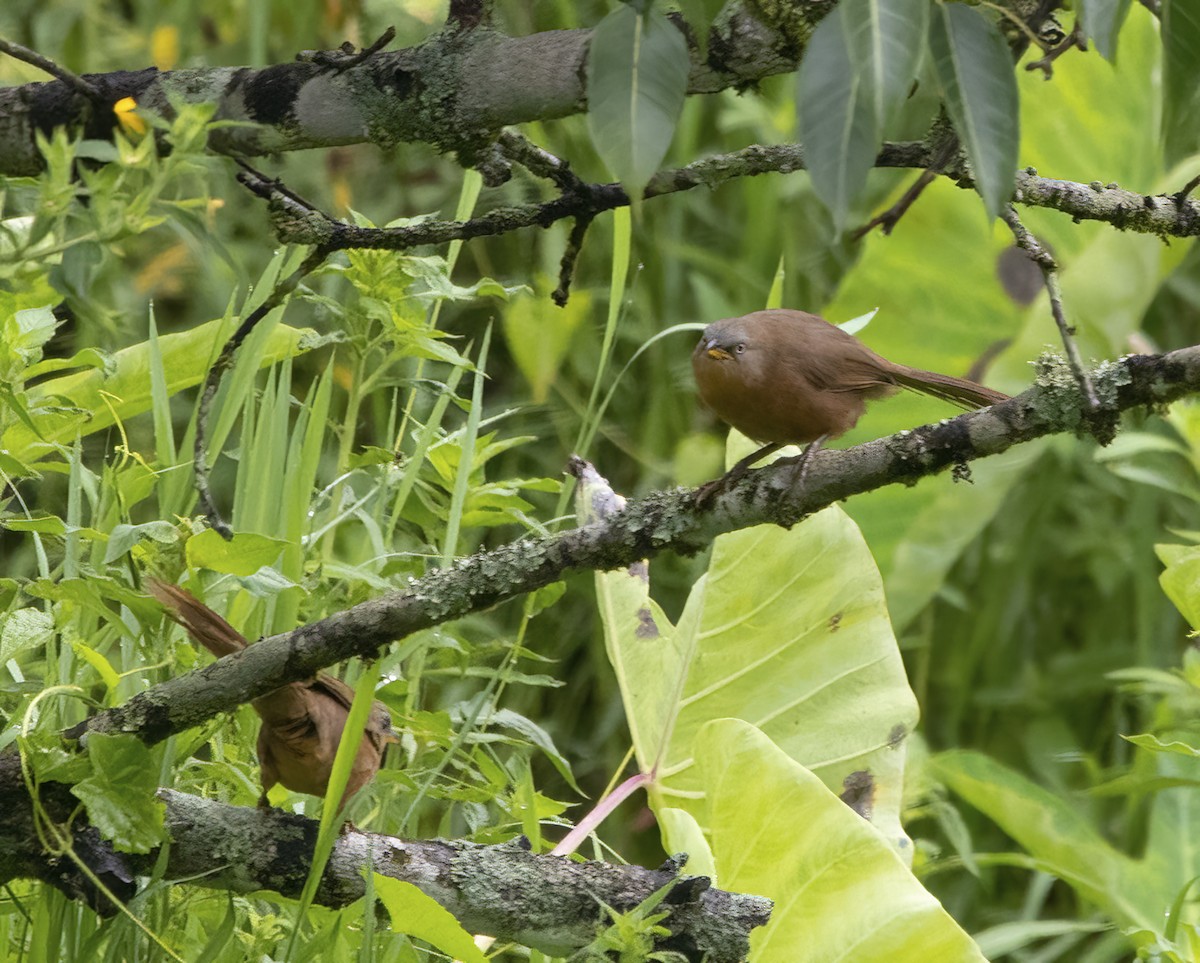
(662, 521)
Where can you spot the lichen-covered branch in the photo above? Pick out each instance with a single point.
(662, 521)
(454, 90)
(547, 902)
(1166, 215)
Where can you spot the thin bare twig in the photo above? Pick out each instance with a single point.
(937, 163)
(888, 219)
(1040, 256)
(346, 56)
(539, 161)
(55, 70)
(566, 267)
(1187, 188)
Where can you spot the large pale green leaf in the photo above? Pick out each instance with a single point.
(841, 892)
(975, 70)
(788, 631)
(243, 555)
(1181, 78)
(637, 73)
(856, 72)
(88, 401)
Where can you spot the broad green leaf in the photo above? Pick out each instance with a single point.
(538, 334)
(244, 555)
(123, 537)
(788, 631)
(1181, 78)
(24, 332)
(637, 72)
(1061, 838)
(687, 836)
(422, 916)
(841, 892)
(1102, 20)
(856, 72)
(120, 794)
(975, 70)
(87, 358)
(1180, 580)
(96, 594)
(89, 401)
(23, 630)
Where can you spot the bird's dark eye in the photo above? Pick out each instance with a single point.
(740, 348)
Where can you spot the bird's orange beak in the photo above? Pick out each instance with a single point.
(718, 354)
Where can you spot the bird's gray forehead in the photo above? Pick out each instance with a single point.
(726, 329)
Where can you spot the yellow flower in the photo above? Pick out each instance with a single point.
(129, 121)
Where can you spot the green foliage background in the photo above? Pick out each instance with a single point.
(402, 411)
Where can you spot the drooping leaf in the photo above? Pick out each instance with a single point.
(98, 397)
(857, 70)
(637, 73)
(975, 71)
(1181, 78)
(1102, 20)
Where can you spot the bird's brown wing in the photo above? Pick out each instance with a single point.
(842, 363)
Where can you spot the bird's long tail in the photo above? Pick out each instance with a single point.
(201, 622)
(957, 391)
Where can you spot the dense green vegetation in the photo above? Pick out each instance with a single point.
(407, 409)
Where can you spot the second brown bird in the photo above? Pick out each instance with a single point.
(302, 722)
(787, 377)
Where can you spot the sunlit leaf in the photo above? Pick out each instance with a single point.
(245, 554)
(841, 891)
(418, 915)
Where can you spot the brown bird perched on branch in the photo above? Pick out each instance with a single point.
(787, 377)
(302, 722)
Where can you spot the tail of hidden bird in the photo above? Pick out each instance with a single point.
(302, 722)
(202, 623)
